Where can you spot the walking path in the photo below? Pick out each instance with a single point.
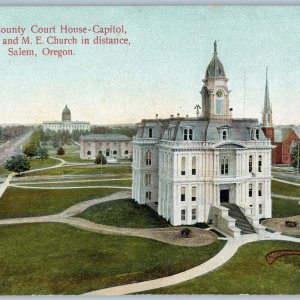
(286, 181)
(5, 184)
(70, 187)
(285, 197)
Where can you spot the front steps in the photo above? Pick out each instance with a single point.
(241, 221)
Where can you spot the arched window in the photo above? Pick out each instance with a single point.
(126, 152)
(194, 162)
(182, 193)
(190, 134)
(88, 153)
(150, 132)
(257, 134)
(194, 190)
(182, 165)
(107, 152)
(259, 163)
(252, 134)
(185, 134)
(224, 166)
(224, 134)
(148, 158)
(250, 163)
(100, 152)
(115, 152)
(250, 190)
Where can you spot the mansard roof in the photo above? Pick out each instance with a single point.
(203, 129)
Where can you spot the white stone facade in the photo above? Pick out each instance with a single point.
(184, 167)
(66, 125)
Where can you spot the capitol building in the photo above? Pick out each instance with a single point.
(66, 124)
(210, 168)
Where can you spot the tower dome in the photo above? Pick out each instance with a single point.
(66, 114)
(215, 67)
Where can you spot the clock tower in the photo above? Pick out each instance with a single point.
(215, 93)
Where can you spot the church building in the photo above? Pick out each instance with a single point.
(66, 124)
(210, 168)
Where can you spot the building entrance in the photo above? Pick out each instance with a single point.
(224, 196)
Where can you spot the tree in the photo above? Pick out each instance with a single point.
(100, 160)
(43, 153)
(60, 151)
(294, 157)
(55, 143)
(17, 164)
(30, 150)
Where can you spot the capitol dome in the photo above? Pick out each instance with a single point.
(66, 114)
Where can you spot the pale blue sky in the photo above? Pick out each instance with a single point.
(161, 71)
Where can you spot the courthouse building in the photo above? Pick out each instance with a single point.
(66, 124)
(211, 168)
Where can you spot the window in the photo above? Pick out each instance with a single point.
(250, 163)
(107, 152)
(190, 134)
(194, 161)
(250, 190)
(252, 134)
(259, 163)
(100, 152)
(88, 153)
(259, 189)
(126, 152)
(183, 215)
(148, 196)
(185, 134)
(148, 179)
(115, 152)
(260, 209)
(194, 190)
(148, 158)
(224, 166)
(182, 165)
(183, 194)
(257, 134)
(224, 135)
(194, 214)
(150, 132)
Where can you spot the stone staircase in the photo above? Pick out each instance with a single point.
(241, 221)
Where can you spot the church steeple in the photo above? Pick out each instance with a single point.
(267, 111)
(215, 93)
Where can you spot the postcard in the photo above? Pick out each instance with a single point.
(149, 150)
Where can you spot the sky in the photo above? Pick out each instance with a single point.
(161, 71)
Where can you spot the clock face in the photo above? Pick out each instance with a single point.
(219, 93)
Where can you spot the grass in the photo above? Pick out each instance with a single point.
(38, 163)
(3, 171)
(248, 272)
(84, 170)
(285, 189)
(125, 183)
(282, 208)
(18, 202)
(57, 259)
(72, 158)
(124, 213)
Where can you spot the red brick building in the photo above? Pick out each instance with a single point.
(283, 137)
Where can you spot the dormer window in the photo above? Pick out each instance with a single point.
(254, 134)
(188, 134)
(224, 135)
(257, 134)
(224, 132)
(150, 132)
(185, 134)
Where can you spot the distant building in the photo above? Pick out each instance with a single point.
(283, 137)
(112, 146)
(66, 124)
(200, 169)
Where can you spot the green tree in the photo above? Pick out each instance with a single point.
(17, 164)
(55, 143)
(294, 157)
(30, 150)
(100, 160)
(43, 153)
(60, 151)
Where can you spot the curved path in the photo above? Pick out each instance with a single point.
(68, 187)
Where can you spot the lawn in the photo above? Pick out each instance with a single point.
(72, 158)
(282, 208)
(3, 171)
(38, 163)
(84, 170)
(108, 182)
(60, 259)
(18, 202)
(124, 213)
(285, 189)
(248, 272)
